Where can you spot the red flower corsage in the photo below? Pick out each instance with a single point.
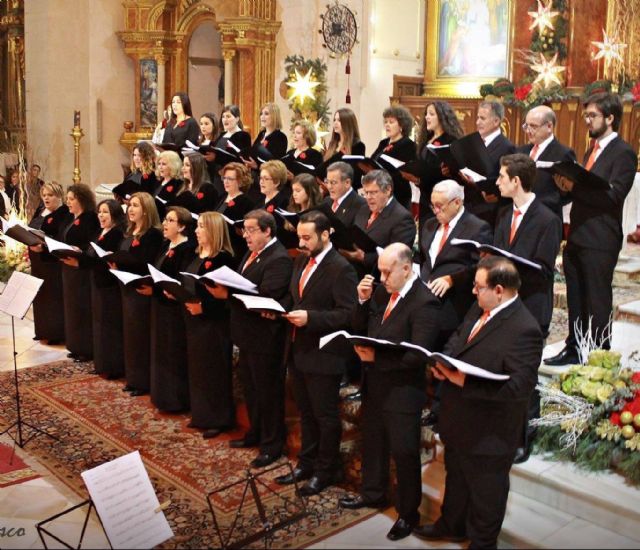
(436, 143)
(302, 155)
(264, 143)
(388, 148)
(101, 238)
(270, 208)
(207, 264)
(170, 253)
(135, 242)
(50, 220)
(76, 222)
(231, 203)
(169, 188)
(200, 196)
(145, 176)
(181, 124)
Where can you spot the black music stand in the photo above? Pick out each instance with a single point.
(17, 297)
(271, 520)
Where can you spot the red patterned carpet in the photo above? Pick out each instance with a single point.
(12, 469)
(97, 422)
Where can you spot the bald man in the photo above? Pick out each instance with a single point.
(400, 309)
(539, 128)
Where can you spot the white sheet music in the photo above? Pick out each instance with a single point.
(127, 503)
(101, 252)
(259, 303)
(20, 291)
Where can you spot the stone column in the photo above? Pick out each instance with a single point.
(162, 63)
(228, 75)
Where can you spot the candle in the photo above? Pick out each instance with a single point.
(76, 119)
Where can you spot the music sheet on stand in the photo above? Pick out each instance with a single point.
(18, 294)
(127, 503)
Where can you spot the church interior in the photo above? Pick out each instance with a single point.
(83, 82)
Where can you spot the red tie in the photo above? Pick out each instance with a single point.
(443, 239)
(534, 151)
(390, 305)
(249, 261)
(305, 275)
(481, 322)
(372, 218)
(335, 205)
(592, 156)
(514, 224)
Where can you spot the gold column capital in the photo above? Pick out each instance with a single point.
(228, 55)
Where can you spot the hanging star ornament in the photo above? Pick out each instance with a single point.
(543, 18)
(302, 87)
(609, 48)
(548, 71)
(319, 135)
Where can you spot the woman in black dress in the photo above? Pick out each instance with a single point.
(305, 194)
(181, 126)
(169, 170)
(106, 306)
(142, 176)
(143, 241)
(440, 126)
(345, 140)
(304, 138)
(208, 335)
(398, 124)
(208, 129)
(273, 179)
(48, 305)
(237, 180)
(76, 272)
(169, 378)
(197, 194)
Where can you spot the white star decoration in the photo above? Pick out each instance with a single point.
(543, 18)
(302, 87)
(609, 48)
(319, 135)
(548, 71)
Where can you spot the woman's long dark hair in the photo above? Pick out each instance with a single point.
(186, 104)
(447, 118)
(116, 212)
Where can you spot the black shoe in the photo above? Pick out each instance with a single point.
(128, 388)
(72, 355)
(243, 443)
(264, 459)
(36, 338)
(315, 485)
(137, 393)
(403, 527)
(358, 501)
(211, 433)
(356, 396)
(522, 454)
(430, 531)
(299, 474)
(567, 356)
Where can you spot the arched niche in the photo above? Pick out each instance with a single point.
(205, 69)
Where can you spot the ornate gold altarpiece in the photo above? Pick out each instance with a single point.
(160, 30)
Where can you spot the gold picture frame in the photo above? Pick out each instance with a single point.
(467, 43)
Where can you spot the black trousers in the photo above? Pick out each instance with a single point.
(589, 275)
(318, 397)
(263, 378)
(387, 434)
(475, 496)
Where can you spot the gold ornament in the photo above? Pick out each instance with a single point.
(302, 87)
(548, 71)
(609, 48)
(543, 18)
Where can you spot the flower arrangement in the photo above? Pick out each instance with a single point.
(591, 415)
(14, 258)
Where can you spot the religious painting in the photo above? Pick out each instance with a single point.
(467, 42)
(148, 92)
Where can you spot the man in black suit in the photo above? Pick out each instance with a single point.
(385, 220)
(447, 269)
(321, 297)
(343, 200)
(401, 309)
(260, 340)
(532, 231)
(482, 420)
(539, 126)
(595, 233)
(488, 123)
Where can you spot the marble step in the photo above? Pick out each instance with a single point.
(629, 312)
(627, 269)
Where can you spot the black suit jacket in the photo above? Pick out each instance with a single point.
(329, 297)
(414, 319)
(455, 261)
(544, 187)
(348, 208)
(405, 150)
(486, 417)
(596, 216)
(538, 240)
(393, 225)
(271, 272)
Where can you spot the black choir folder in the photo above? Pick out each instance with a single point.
(183, 293)
(494, 250)
(21, 233)
(341, 342)
(575, 172)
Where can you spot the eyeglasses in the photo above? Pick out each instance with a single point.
(228, 178)
(332, 182)
(479, 288)
(250, 230)
(440, 208)
(170, 220)
(591, 116)
(371, 193)
(533, 127)
(263, 178)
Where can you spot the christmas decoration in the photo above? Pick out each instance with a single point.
(313, 107)
(544, 17)
(547, 70)
(302, 87)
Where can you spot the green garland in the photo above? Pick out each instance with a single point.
(548, 41)
(317, 108)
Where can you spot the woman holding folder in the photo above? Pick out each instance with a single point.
(142, 241)
(142, 176)
(106, 306)
(304, 138)
(48, 305)
(197, 193)
(168, 363)
(208, 339)
(273, 178)
(169, 170)
(76, 282)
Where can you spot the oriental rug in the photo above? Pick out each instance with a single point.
(13, 469)
(96, 422)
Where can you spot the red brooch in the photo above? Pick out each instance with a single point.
(76, 222)
(170, 253)
(264, 143)
(302, 156)
(270, 208)
(181, 124)
(231, 203)
(436, 143)
(101, 238)
(207, 264)
(145, 176)
(50, 220)
(199, 196)
(169, 188)
(135, 242)
(388, 148)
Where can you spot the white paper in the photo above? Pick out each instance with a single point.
(108, 187)
(229, 220)
(190, 145)
(475, 177)
(126, 503)
(259, 302)
(544, 163)
(158, 276)
(392, 161)
(233, 146)
(352, 157)
(195, 216)
(285, 213)
(8, 224)
(52, 245)
(161, 200)
(19, 292)
(228, 277)
(101, 252)
(500, 251)
(125, 276)
(324, 340)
